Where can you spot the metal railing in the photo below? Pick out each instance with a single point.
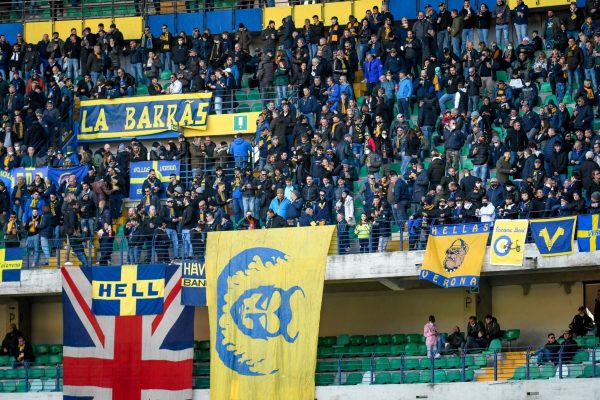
(32, 377)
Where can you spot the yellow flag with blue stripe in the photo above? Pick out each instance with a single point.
(264, 290)
(128, 289)
(11, 262)
(588, 232)
(508, 242)
(454, 254)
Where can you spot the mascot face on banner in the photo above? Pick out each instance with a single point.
(259, 313)
(455, 255)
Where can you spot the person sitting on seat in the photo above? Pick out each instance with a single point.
(479, 343)
(454, 343)
(581, 323)
(548, 353)
(492, 328)
(23, 354)
(568, 347)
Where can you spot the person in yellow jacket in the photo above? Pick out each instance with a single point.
(363, 233)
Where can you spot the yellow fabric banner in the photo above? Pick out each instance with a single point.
(508, 241)
(264, 290)
(454, 254)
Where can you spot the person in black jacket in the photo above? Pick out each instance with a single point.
(274, 220)
(581, 323)
(11, 340)
(473, 328)
(492, 328)
(568, 348)
(559, 162)
(548, 353)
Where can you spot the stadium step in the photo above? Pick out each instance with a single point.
(507, 364)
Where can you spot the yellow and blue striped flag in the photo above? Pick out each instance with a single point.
(588, 232)
(11, 262)
(264, 290)
(128, 289)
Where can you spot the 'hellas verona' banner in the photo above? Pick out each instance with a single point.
(142, 116)
(264, 290)
(454, 254)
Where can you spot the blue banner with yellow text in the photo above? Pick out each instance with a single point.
(554, 236)
(59, 175)
(264, 291)
(142, 116)
(193, 284)
(11, 262)
(139, 173)
(588, 232)
(128, 289)
(454, 254)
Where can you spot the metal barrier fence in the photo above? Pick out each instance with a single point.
(501, 364)
(191, 245)
(32, 377)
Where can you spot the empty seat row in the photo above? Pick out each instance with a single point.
(369, 340)
(383, 378)
(409, 349)
(397, 364)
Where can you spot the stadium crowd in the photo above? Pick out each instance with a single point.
(442, 137)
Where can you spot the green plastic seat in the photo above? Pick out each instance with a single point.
(21, 373)
(243, 108)
(382, 364)
(453, 375)
(241, 95)
(411, 349)
(4, 361)
(469, 361)
(551, 97)
(502, 76)
(253, 94)
(545, 87)
(469, 375)
(21, 386)
(36, 373)
(204, 355)
(494, 347)
(480, 360)
(395, 364)
(56, 349)
(357, 340)
(141, 90)
(452, 362)
(384, 339)
(411, 377)
(588, 371)
(371, 340)
(330, 341)
(204, 345)
(411, 363)
(1, 374)
(395, 350)
(10, 374)
(425, 377)
(165, 75)
(343, 340)
(396, 378)
(568, 99)
(353, 379)
(580, 357)
(324, 379)
(547, 371)
(368, 364)
(439, 376)
(351, 365)
(368, 350)
(257, 107)
(511, 334)
(42, 359)
(519, 373)
(422, 350)
(382, 350)
(324, 352)
(574, 371)
(534, 372)
(326, 366)
(425, 363)
(338, 351)
(383, 378)
(355, 351)
(42, 349)
(9, 387)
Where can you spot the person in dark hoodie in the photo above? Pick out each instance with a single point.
(492, 328)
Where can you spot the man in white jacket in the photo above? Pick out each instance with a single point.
(487, 212)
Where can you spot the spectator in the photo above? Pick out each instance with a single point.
(23, 354)
(568, 347)
(11, 340)
(549, 352)
(581, 323)
(430, 332)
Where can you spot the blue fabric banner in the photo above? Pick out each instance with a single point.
(553, 236)
(142, 116)
(139, 173)
(59, 175)
(193, 284)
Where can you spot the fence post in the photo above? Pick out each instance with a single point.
(527, 359)
(27, 383)
(432, 356)
(57, 385)
(463, 367)
(372, 367)
(560, 364)
(402, 368)
(594, 360)
(339, 370)
(495, 366)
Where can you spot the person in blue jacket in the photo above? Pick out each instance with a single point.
(403, 94)
(240, 150)
(372, 69)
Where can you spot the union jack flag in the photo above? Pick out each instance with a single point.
(147, 357)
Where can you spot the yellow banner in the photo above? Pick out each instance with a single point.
(264, 290)
(454, 254)
(508, 242)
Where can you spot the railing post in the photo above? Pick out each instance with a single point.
(495, 366)
(372, 368)
(401, 368)
(27, 383)
(594, 360)
(57, 383)
(339, 370)
(432, 356)
(527, 359)
(463, 367)
(560, 364)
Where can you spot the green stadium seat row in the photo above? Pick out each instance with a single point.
(201, 355)
(409, 349)
(384, 378)
(47, 349)
(357, 340)
(202, 345)
(397, 364)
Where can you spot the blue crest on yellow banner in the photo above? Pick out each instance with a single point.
(142, 116)
(553, 236)
(264, 291)
(128, 290)
(11, 262)
(193, 284)
(588, 232)
(454, 254)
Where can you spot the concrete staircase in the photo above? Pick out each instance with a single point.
(507, 363)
